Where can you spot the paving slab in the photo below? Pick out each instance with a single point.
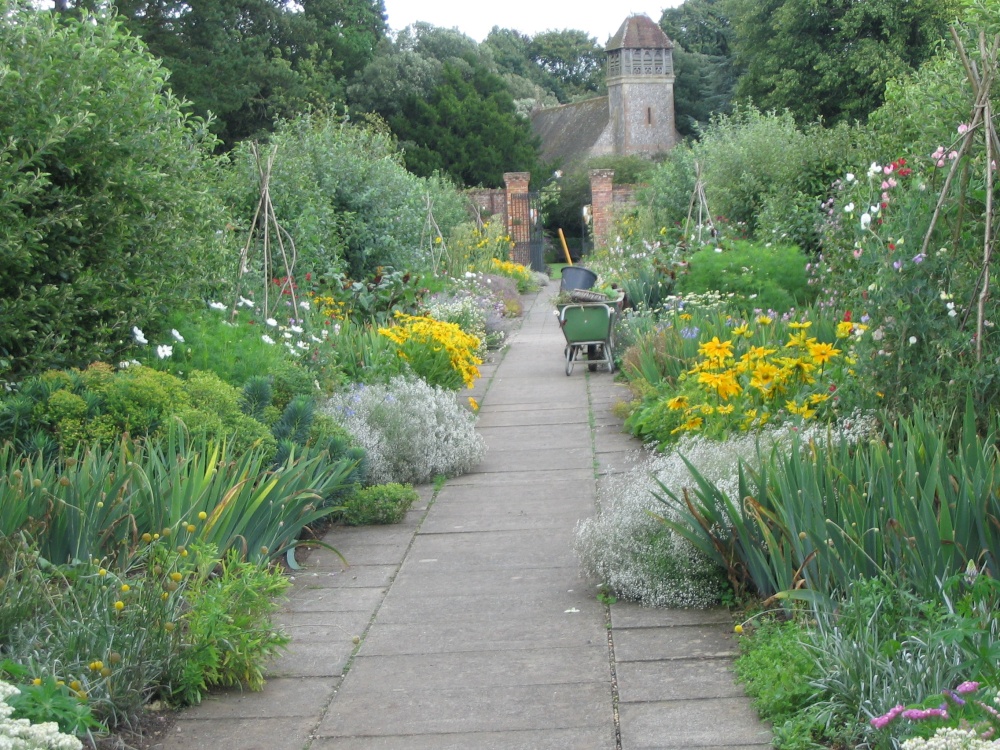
(500, 708)
(283, 697)
(632, 615)
(690, 724)
(556, 631)
(584, 738)
(674, 680)
(680, 642)
(286, 733)
(518, 460)
(476, 669)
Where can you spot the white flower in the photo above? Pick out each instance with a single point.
(848, 208)
(913, 340)
(271, 322)
(124, 364)
(873, 210)
(217, 305)
(140, 337)
(164, 350)
(866, 220)
(296, 329)
(849, 177)
(176, 334)
(874, 169)
(302, 345)
(244, 302)
(286, 334)
(267, 339)
(304, 304)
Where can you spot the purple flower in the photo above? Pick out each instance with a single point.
(879, 722)
(689, 333)
(967, 687)
(919, 258)
(952, 696)
(920, 714)
(898, 264)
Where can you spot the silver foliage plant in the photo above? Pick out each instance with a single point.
(627, 548)
(412, 431)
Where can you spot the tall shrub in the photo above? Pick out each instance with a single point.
(106, 219)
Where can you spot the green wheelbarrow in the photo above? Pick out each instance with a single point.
(589, 331)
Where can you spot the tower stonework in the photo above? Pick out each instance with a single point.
(640, 77)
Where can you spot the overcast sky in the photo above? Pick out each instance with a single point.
(475, 18)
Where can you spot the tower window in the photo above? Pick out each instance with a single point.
(649, 115)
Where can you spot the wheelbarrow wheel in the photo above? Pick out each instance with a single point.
(570, 351)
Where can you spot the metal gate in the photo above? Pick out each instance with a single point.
(525, 222)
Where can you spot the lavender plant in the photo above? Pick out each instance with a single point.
(411, 431)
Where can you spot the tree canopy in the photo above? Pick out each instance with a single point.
(251, 62)
(830, 59)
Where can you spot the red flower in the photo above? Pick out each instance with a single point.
(892, 246)
(847, 316)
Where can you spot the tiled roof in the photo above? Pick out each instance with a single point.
(640, 32)
(569, 131)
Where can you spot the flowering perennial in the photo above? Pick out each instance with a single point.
(413, 333)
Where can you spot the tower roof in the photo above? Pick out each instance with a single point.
(640, 32)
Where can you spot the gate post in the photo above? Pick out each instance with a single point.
(518, 226)
(602, 204)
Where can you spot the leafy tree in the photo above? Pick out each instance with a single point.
(250, 62)
(467, 129)
(830, 59)
(574, 61)
(451, 111)
(107, 220)
(702, 60)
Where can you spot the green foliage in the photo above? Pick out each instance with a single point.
(756, 163)
(776, 667)
(831, 60)
(228, 630)
(761, 277)
(467, 128)
(107, 217)
(815, 518)
(48, 701)
(343, 194)
(378, 504)
(573, 61)
(98, 501)
(253, 63)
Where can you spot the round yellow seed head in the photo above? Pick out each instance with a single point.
(102, 572)
(203, 515)
(114, 657)
(37, 681)
(147, 537)
(126, 587)
(175, 576)
(105, 672)
(169, 627)
(738, 628)
(190, 527)
(74, 685)
(119, 605)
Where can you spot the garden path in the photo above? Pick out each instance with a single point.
(475, 626)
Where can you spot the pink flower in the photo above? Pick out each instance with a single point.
(879, 722)
(892, 182)
(967, 687)
(885, 184)
(887, 169)
(919, 714)
(953, 155)
(963, 128)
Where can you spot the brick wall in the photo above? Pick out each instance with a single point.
(519, 230)
(602, 205)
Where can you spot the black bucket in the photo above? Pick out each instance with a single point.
(577, 277)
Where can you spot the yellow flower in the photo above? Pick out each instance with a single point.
(190, 527)
(716, 350)
(119, 605)
(692, 424)
(126, 588)
(727, 409)
(473, 404)
(795, 326)
(823, 352)
(844, 329)
(764, 320)
(685, 316)
(743, 330)
(175, 576)
(677, 403)
(202, 515)
(738, 629)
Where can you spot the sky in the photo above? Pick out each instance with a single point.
(475, 18)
